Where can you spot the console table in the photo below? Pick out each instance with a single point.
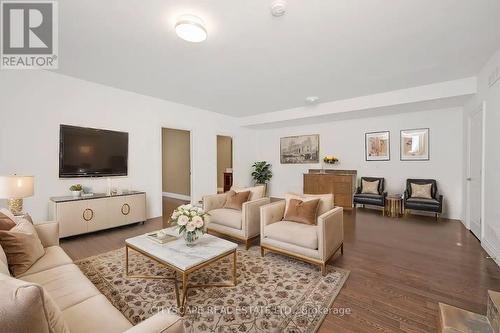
(341, 183)
(81, 215)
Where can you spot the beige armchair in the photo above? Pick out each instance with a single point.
(315, 244)
(241, 225)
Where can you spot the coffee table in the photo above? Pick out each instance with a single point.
(182, 259)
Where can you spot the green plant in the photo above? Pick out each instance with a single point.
(261, 172)
(76, 187)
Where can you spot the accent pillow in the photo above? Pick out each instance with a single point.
(235, 200)
(6, 223)
(421, 191)
(256, 192)
(368, 187)
(302, 211)
(27, 307)
(21, 246)
(325, 200)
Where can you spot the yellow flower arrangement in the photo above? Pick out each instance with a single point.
(330, 159)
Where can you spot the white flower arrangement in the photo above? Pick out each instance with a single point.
(190, 220)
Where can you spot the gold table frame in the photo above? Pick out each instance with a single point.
(184, 274)
(394, 205)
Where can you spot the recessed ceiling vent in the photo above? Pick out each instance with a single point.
(278, 8)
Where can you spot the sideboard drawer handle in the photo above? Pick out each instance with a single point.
(85, 214)
(126, 209)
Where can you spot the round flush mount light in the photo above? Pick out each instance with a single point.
(278, 8)
(312, 99)
(191, 29)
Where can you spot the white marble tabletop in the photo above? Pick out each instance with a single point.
(178, 254)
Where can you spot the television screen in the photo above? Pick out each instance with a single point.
(90, 152)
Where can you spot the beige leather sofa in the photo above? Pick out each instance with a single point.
(315, 244)
(242, 225)
(82, 307)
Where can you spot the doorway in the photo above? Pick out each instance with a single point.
(224, 163)
(475, 173)
(176, 170)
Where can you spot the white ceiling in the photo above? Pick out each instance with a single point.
(254, 63)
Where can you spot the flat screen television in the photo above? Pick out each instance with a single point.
(90, 152)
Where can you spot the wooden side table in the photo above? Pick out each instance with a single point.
(394, 205)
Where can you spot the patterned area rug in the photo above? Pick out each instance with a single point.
(274, 293)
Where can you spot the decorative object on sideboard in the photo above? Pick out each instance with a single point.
(76, 190)
(303, 149)
(377, 146)
(414, 145)
(14, 189)
(329, 160)
(191, 222)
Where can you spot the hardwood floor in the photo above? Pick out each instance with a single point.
(400, 269)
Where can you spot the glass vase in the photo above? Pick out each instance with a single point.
(191, 238)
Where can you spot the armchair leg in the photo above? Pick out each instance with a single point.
(247, 244)
(262, 251)
(323, 269)
(437, 217)
(383, 211)
(342, 248)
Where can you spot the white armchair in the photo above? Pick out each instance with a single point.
(315, 244)
(242, 225)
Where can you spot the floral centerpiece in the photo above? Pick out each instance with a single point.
(330, 159)
(190, 221)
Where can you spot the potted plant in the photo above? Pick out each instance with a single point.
(76, 190)
(190, 221)
(262, 173)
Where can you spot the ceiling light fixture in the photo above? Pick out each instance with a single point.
(312, 99)
(278, 8)
(191, 29)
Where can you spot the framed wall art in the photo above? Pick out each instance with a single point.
(415, 145)
(378, 146)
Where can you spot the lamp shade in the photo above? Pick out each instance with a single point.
(16, 187)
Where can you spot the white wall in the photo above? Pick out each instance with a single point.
(34, 103)
(491, 96)
(345, 139)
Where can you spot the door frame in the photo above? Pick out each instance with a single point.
(480, 109)
(216, 152)
(191, 147)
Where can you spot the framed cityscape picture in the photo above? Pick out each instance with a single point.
(301, 149)
(415, 145)
(378, 146)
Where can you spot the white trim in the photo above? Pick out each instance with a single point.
(492, 250)
(176, 196)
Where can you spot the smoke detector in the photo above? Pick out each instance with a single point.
(278, 8)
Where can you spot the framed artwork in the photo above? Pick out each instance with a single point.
(414, 145)
(378, 146)
(301, 149)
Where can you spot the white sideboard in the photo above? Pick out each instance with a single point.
(87, 214)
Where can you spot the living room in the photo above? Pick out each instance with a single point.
(420, 113)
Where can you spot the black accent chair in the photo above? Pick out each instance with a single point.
(368, 198)
(434, 205)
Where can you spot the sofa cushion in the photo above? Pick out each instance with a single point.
(325, 201)
(66, 284)
(299, 234)
(256, 192)
(4, 268)
(423, 201)
(227, 217)
(160, 322)
(235, 200)
(26, 307)
(368, 187)
(95, 314)
(6, 223)
(302, 211)
(22, 247)
(54, 256)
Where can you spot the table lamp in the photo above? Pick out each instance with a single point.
(14, 189)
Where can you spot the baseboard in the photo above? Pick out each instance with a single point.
(492, 250)
(176, 196)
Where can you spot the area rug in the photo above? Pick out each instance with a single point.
(274, 293)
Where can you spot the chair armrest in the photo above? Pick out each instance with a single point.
(213, 201)
(250, 214)
(271, 213)
(48, 232)
(162, 322)
(384, 194)
(330, 232)
(358, 190)
(406, 195)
